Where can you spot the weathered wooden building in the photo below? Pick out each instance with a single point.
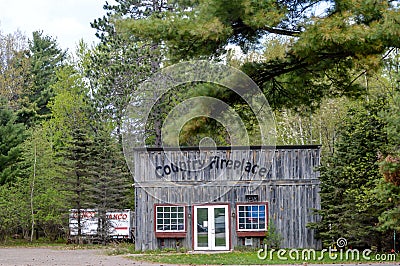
(221, 198)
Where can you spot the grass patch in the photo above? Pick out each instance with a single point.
(41, 242)
(121, 249)
(250, 258)
(128, 248)
(62, 244)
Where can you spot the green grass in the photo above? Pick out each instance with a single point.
(61, 244)
(239, 258)
(25, 243)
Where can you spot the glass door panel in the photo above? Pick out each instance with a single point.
(211, 231)
(202, 227)
(220, 227)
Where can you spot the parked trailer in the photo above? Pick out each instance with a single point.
(89, 222)
(119, 223)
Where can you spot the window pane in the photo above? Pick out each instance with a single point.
(160, 227)
(251, 217)
(170, 218)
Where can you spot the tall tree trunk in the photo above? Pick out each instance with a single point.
(32, 191)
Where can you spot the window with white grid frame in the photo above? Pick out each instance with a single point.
(251, 217)
(170, 218)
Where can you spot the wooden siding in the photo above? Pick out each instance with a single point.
(290, 187)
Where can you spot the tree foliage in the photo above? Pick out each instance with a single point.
(44, 58)
(92, 169)
(324, 53)
(14, 69)
(120, 63)
(348, 176)
(11, 136)
(61, 120)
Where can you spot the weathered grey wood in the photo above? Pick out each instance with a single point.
(290, 188)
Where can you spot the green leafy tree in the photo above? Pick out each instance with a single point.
(15, 218)
(14, 68)
(304, 126)
(45, 196)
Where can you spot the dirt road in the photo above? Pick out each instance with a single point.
(52, 256)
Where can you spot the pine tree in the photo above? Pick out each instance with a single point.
(12, 134)
(78, 177)
(112, 188)
(44, 58)
(94, 174)
(323, 55)
(120, 63)
(348, 176)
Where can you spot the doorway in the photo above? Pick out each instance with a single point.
(211, 227)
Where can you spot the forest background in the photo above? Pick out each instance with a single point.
(329, 70)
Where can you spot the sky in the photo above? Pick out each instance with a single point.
(67, 21)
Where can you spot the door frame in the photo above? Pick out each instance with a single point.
(229, 228)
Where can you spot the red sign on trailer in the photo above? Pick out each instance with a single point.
(89, 220)
(120, 223)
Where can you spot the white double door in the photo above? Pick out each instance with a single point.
(211, 227)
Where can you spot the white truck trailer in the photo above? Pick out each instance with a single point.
(120, 223)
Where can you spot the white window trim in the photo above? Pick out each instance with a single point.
(171, 231)
(252, 204)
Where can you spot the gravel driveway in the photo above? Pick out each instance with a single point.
(53, 256)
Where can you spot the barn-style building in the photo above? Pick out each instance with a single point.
(224, 197)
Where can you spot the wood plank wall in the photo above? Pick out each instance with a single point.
(291, 189)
